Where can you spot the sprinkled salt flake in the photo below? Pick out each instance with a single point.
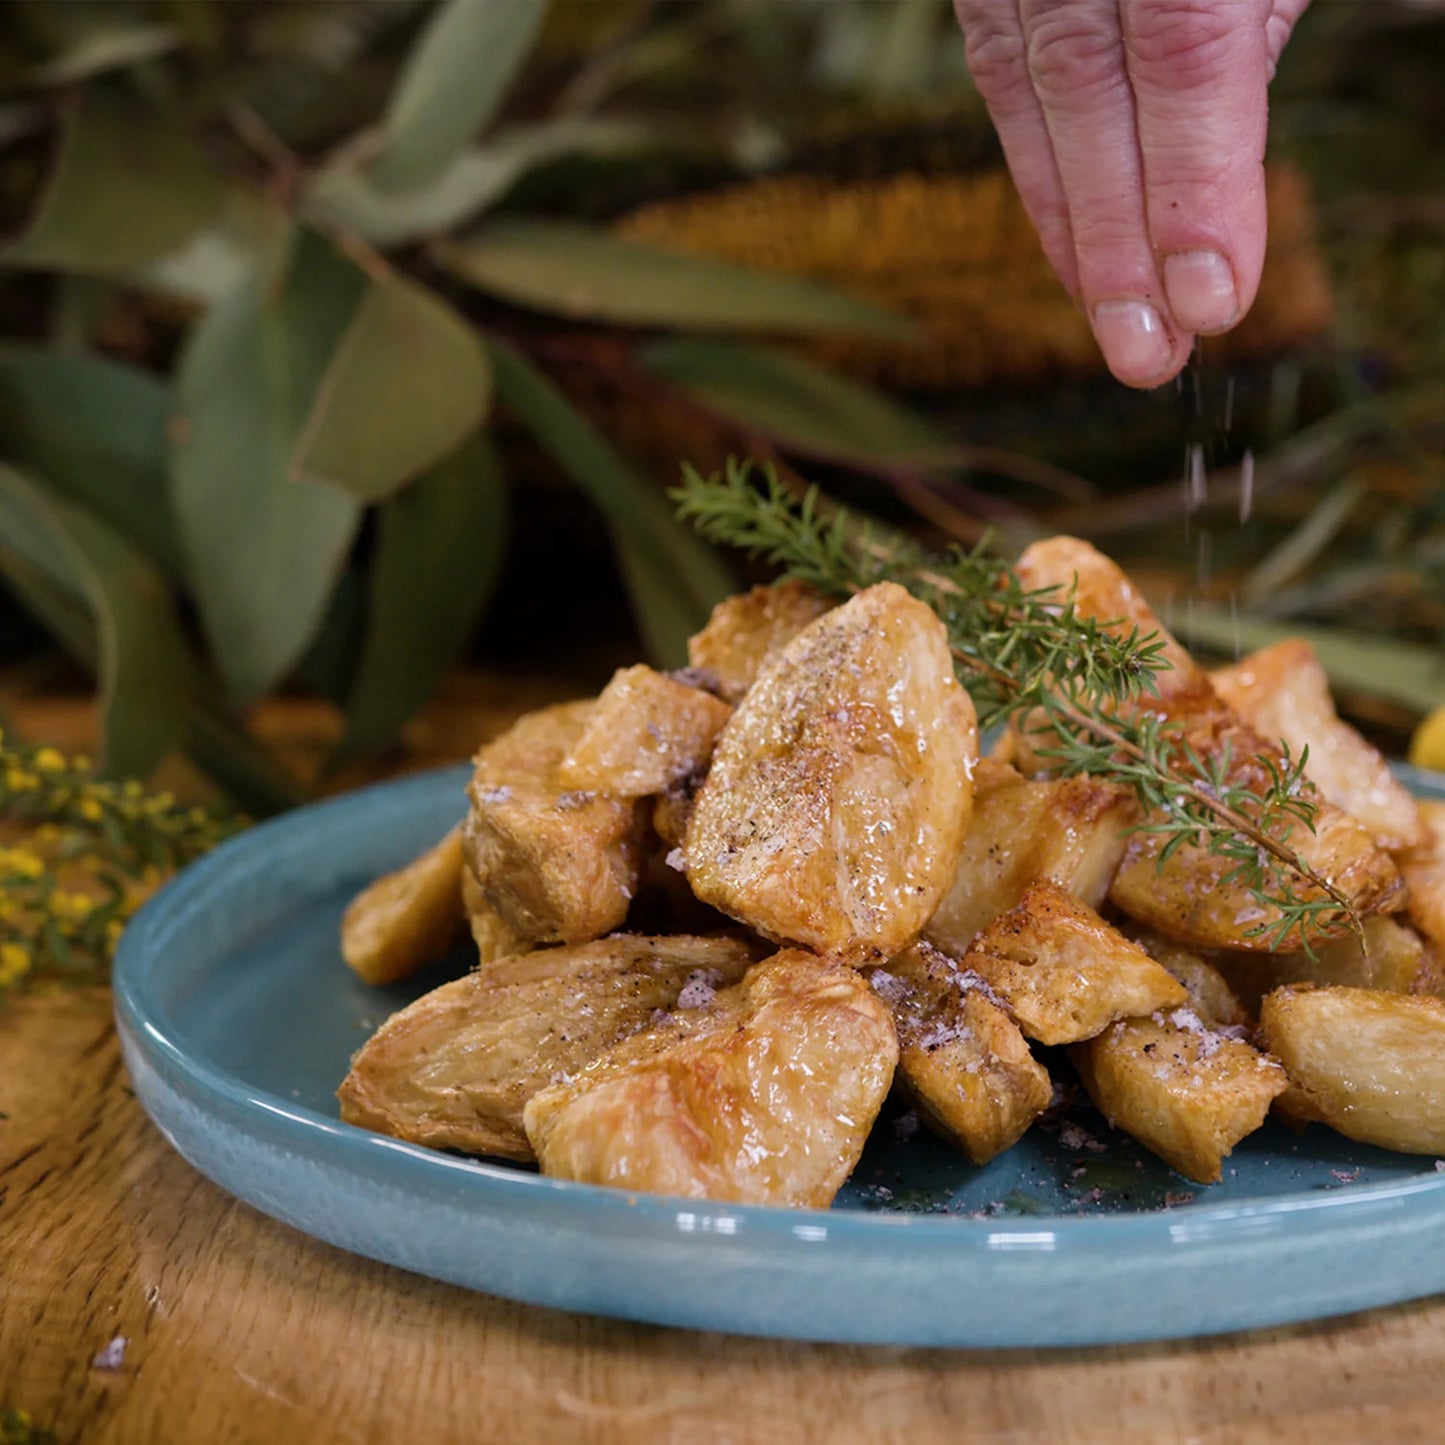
(1176, 1197)
(1440, 1166)
(1190, 1022)
(888, 986)
(495, 795)
(1094, 1195)
(1344, 1176)
(698, 989)
(905, 1126)
(1074, 1138)
(112, 1357)
(1075, 1173)
(676, 860)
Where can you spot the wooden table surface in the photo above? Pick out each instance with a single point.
(241, 1329)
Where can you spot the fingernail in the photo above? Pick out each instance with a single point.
(1134, 340)
(1200, 286)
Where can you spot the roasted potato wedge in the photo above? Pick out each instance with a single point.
(841, 788)
(1190, 896)
(408, 918)
(1072, 831)
(1185, 1092)
(1424, 870)
(646, 732)
(494, 936)
(1210, 994)
(745, 633)
(1062, 972)
(1283, 692)
(961, 1059)
(763, 1096)
(559, 865)
(1369, 1064)
(1391, 958)
(454, 1069)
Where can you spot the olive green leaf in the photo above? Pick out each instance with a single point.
(796, 402)
(406, 386)
(455, 80)
(665, 564)
(472, 181)
(146, 672)
(128, 186)
(263, 549)
(247, 231)
(96, 431)
(580, 271)
(439, 551)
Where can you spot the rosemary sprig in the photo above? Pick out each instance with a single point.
(1022, 653)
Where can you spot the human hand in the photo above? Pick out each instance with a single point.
(1135, 132)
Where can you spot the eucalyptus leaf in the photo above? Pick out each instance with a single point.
(796, 402)
(634, 510)
(472, 181)
(454, 81)
(128, 186)
(96, 431)
(247, 231)
(408, 383)
(439, 551)
(580, 271)
(1404, 672)
(145, 670)
(263, 549)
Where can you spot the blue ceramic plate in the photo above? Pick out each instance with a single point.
(238, 1017)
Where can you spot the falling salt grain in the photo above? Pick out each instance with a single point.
(1246, 486)
(112, 1357)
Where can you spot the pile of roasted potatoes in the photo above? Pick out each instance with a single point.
(721, 913)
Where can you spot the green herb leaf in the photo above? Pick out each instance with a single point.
(96, 431)
(673, 563)
(264, 550)
(407, 384)
(128, 186)
(439, 551)
(455, 80)
(580, 271)
(798, 403)
(146, 672)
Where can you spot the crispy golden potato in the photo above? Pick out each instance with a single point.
(1185, 1092)
(454, 1069)
(763, 1096)
(1283, 692)
(645, 732)
(1072, 831)
(1210, 993)
(494, 936)
(745, 633)
(962, 1060)
(559, 865)
(671, 811)
(1369, 1064)
(1191, 897)
(1424, 870)
(840, 790)
(408, 918)
(1391, 958)
(1062, 972)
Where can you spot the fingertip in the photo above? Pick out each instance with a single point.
(1139, 346)
(1202, 292)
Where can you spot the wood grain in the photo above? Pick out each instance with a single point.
(242, 1330)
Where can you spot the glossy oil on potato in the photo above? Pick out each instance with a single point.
(841, 788)
(1283, 692)
(559, 865)
(764, 1095)
(1369, 1064)
(1190, 896)
(1063, 973)
(1185, 1092)
(405, 920)
(746, 632)
(961, 1059)
(455, 1069)
(1072, 831)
